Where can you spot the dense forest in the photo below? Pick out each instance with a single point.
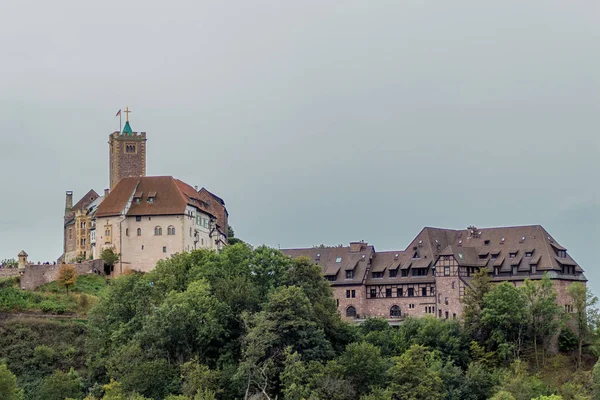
(254, 324)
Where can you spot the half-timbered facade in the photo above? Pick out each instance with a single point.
(430, 276)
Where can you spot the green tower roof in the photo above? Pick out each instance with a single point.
(127, 129)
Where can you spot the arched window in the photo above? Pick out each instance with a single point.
(158, 231)
(190, 232)
(351, 312)
(127, 232)
(395, 311)
(171, 230)
(139, 232)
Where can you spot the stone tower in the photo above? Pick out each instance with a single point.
(127, 154)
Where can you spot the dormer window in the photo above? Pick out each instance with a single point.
(151, 197)
(377, 275)
(350, 274)
(512, 255)
(416, 255)
(561, 253)
(486, 242)
(528, 253)
(482, 256)
(494, 256)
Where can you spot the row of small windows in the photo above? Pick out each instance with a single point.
(157, 231)
(394, 311)
(130, 148)
(410, 292)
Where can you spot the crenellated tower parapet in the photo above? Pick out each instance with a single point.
(127, 153)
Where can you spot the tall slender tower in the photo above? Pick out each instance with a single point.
(127, 153)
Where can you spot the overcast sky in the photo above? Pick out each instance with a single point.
(316, 121)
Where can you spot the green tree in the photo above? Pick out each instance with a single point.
(504, 316)
(110, 257)
(413, 378)
(61, 385)
(286, 321)
(186, 324)
(363, 366)
(67, 276)
(8, 385)
(473, 301)
(583, 302)
(141, 372)
(542, 314)
(198, 378)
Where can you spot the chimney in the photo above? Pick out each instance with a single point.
(106, 192)
(69, 201)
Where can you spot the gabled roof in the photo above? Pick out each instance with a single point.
(80, 206)
(171, 197)
(336, 260)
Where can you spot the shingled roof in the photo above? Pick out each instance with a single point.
(169, 196)
(488, 247)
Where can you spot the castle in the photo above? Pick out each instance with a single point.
(143, 218)
(430, 276)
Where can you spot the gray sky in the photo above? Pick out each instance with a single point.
(316, 121)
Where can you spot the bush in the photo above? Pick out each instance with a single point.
(52, 307)
(567, 341)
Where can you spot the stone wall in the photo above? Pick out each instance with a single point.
(35, 276)
(8, 272)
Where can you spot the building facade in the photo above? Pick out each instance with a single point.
(147, 219)
(76, 223)
(430, 276)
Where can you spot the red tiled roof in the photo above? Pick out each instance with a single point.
(171, 196)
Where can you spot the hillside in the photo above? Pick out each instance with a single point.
(255, 324)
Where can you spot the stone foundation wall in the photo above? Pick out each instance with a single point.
(35, 276)
(8, 272)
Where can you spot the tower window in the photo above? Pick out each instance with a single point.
(139, 231)
(130, 148)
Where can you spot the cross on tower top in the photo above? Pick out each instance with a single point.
(127, 111)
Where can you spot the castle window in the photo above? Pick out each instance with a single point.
(171, 230)
(164, 249)
(130, 148)
(127, 232)
(70, 233)
(347, 294)
(446, 271)
(512, 255)
(446, 314)
(139, 231)
(351, 312)
(529, 254)
(349, 274)
(561, 253)
(373, 292)
(411, 292)
(445, 300)
(393, 273)
(388, 292)
(157, 231)
(395, 311)
(353, 293)
(399, 292)
(377, 275)
(424, 291)
(138, 219)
